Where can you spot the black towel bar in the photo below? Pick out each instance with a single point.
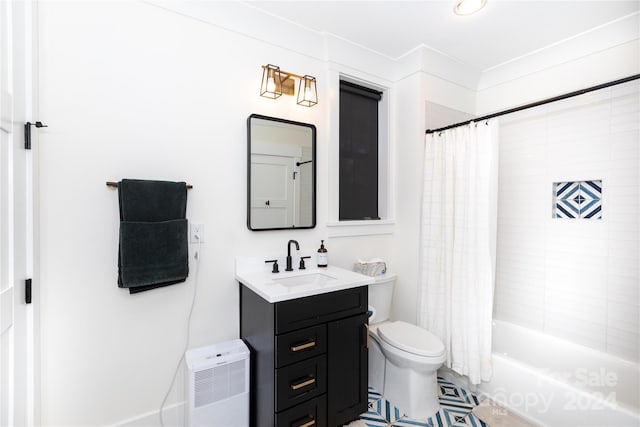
(115, 185)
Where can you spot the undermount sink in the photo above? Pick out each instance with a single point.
(305, 279)
(254, 273)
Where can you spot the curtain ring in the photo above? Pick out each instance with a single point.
(487, 123)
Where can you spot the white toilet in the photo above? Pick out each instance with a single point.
(403, 358)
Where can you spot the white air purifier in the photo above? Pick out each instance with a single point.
(218, 377)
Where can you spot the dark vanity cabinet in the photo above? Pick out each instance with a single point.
(309, 358)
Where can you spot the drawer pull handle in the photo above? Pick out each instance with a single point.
(309, 423)
(303, 384)
(304, 346)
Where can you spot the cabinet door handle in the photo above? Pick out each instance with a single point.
(366, 327)
(304, 346)
(303, 383)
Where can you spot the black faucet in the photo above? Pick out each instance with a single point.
(289, 267)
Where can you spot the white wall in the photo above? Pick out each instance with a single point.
(130, 90)
(605, 65)
(438, 103)
(409, 148)
(577, 279)
(423, 103)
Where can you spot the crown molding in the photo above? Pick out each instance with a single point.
(598, 39)
(250, 21)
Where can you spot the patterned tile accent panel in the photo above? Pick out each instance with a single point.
(578, 199)
(455, 410)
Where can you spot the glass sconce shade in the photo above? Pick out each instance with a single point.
(271, 86)
(307, 91)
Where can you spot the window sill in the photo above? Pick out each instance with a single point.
(360, 228)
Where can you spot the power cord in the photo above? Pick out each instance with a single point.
(186, 345)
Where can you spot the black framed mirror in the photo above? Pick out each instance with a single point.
(281, 174)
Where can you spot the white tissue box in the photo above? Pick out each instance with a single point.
(374, 267)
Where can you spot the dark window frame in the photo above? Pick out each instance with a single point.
(359, 167)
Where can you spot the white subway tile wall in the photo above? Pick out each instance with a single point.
(575, 279)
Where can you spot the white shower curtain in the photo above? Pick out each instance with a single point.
(458, 244)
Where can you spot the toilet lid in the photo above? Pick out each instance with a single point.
(411, 338)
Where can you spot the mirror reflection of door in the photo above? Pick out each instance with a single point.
(273, 191)
(281, 191)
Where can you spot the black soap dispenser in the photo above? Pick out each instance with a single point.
(322, 255)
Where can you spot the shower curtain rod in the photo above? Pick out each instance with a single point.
(537, 103)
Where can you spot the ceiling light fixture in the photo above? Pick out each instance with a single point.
(468, 7)
(276, 82)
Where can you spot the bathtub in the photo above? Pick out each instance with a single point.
(553, 382)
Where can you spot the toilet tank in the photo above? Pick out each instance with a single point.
(380, 293)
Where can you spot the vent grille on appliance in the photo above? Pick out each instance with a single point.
(219, 382)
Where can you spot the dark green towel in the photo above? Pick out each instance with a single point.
(153, 249)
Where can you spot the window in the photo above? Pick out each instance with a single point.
(358, 171)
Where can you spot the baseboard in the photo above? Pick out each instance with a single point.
(173, 416)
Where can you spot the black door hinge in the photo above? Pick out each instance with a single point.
(27, 291)
(27, 133)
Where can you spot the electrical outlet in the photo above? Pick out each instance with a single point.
(196, 229)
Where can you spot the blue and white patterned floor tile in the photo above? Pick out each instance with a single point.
(470, 398)
(381, 412)
(406, 422)
(474, 421)
(374, 396)
(455, 410)
(387, 411)
(454, 406)
(373, 419)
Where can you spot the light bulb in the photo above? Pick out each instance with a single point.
(308, 92)
(467, 7)
(271, 84)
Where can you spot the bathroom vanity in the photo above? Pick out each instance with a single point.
(308, 335)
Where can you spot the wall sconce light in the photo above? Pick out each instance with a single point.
(276, 82)
(271, 86)
(307, 91)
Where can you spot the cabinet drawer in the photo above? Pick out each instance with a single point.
(300, 345)
(309, 311)
(300, 381)
(312, 413)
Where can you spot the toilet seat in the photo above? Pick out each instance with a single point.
(411, 338)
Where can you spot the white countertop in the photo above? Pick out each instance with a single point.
(257, 276)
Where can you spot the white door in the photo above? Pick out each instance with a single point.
(17, 322)
(272, 191)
